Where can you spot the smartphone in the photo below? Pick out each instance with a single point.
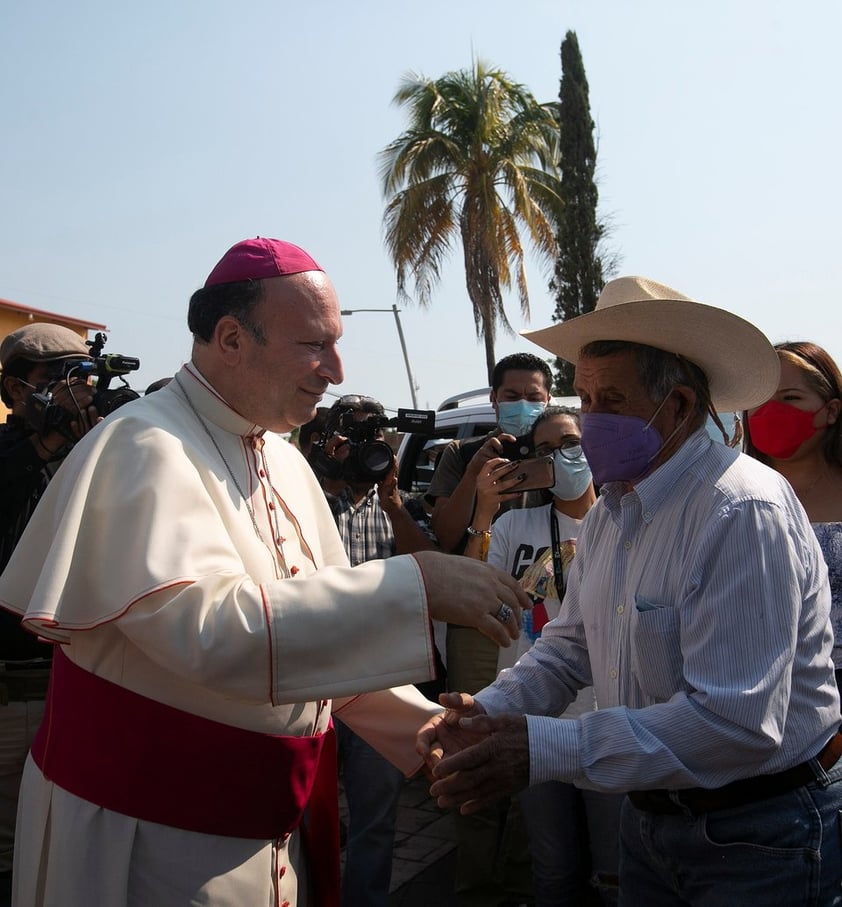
(536, 473)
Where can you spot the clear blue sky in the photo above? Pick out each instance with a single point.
(140, 141)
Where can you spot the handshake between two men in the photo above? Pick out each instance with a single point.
(473, 758)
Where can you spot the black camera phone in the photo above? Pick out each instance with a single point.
(518, 449)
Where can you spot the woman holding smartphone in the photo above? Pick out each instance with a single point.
(573, 834)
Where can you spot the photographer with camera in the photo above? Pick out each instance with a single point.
(374, 524)
(353, 439)
(34, 360)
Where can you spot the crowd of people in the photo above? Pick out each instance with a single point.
(205, 628)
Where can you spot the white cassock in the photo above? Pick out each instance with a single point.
(146, 563)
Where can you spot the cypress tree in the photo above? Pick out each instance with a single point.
(578, 276)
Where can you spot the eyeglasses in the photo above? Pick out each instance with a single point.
(70, 368)
(570, 450)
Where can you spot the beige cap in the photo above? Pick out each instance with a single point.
(41, 342)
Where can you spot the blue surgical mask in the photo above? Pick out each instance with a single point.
(516, 416)
(572, 477)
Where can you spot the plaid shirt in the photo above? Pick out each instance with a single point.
(365, 529)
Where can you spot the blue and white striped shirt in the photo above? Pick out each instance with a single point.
(698, 606)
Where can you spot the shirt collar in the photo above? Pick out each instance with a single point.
(347, 497)
(210, 404)
(656, 487)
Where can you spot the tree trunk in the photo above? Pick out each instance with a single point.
(488, 341)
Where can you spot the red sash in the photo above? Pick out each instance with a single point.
(139, 757)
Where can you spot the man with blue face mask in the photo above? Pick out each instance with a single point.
(698, 606)
(520, 389)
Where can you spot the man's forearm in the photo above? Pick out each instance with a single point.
(409, 536)
(452, 515)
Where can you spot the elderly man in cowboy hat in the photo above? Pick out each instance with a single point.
(697, 606)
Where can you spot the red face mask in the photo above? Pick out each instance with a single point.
(779, 429)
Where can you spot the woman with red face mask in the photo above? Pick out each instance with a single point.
(799, 433)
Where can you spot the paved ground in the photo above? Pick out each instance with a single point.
(423, 864)
(432, 886)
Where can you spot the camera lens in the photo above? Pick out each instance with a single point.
(375, 459)
(107, 400)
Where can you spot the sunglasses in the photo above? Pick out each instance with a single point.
(356, 400)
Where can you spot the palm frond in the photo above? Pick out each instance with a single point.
(478, 157)
(419, 229)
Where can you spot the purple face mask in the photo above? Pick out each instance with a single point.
(619, 448)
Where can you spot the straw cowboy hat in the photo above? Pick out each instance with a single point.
(741, 365)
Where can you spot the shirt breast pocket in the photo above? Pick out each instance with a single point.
(656, 661)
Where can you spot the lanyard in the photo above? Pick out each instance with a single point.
(558, 570)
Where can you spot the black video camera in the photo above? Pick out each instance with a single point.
(45, 415)
(369, 458)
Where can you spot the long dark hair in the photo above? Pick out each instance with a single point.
(824, 377)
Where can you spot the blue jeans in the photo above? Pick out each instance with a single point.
(372, 788)
(785, 850)
(574, 841)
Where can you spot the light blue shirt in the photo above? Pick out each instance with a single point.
(698, 606)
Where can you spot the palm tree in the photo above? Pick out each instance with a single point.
(479, 157)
